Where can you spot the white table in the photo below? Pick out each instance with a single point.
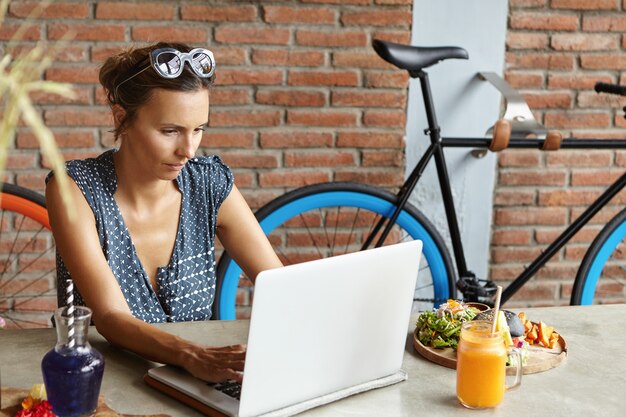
(591, 382)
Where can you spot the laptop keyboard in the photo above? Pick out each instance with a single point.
(230, 388)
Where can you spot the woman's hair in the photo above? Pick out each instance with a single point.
(134, 93)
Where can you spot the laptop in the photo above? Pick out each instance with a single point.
(319, 331)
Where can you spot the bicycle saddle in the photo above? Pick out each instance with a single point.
(414, 58)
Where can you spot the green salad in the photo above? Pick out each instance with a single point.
(441, 328)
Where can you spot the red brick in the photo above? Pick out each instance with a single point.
(82, 95)
(603, 61)
(402, 37)
(31, 32)
(602, 218)
(51, 11)
(230, 96)
(379, 158)
(229, 55)
(547, 236)
(247, 160)
(43, 303)
(252, 35)
(370, 140)
(530, 216)
(328, 78)
(379, 178)
(66, 53)
(292, 178)
(63, 138)
(595, 177)
(537, 291)
(219, 14)
(519, 80)
(504, 272)
(540, 61)
(69, 155)
(331, 158)
(99, 54)
(576, 120)
(387, 79)
(317, 118)
(620, 158)
(532, 177)
(566, 198)
(170, 34)
(519, 158)
(291, 98)
(130, 11)
(85, 74)
(330, 39)
(519, 40)
(559, 271)
(78, 117)
(244, 118)
(243, 180)
(21, 161)
(32, 181)
(360, 60)
(285, 14)
(604, 23)
(576, 81)
(579, 158)
(368, 99)
(251, 76)
(543, 21)
(514, 198)
(385, 118)
(515, 254)
(510, 237)
(228, 139)
(295, 139)
(87, 32)
(548, 100)
(591, 99)
(599, 134)
(287, 58)
(583, 42)
(380, 17)
(584, 4)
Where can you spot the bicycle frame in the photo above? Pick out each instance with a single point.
(435, 150)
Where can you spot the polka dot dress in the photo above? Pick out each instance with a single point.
(186, 286)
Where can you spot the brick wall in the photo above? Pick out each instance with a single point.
(301, 98)
(556, 51)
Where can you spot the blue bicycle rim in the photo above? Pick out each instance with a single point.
(589, 288)
(439, 273)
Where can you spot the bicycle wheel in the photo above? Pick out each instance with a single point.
(324, 220)
(601, 278)
(27, 260)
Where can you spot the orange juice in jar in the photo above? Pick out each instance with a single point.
(481, 366)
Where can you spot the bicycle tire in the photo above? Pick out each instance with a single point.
(27, 259)
(345, 198)
(605, 260)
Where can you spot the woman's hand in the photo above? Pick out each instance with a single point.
(216, 364)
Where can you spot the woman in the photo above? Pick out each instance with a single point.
(141, 247)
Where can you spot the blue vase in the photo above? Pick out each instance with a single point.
(73, 374)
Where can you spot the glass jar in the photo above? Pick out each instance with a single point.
(73, 374)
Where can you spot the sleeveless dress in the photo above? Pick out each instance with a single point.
(186, 286)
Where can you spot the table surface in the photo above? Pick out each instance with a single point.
(590, 382)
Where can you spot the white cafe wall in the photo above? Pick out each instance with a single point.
(465, 107)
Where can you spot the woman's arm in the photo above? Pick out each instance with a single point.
(77, 241)
(243, 238)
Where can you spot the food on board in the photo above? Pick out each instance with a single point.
(539, 333)
(441, 328)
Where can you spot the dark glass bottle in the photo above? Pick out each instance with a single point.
(73, 374)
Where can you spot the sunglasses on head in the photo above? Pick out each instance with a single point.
(170, 62)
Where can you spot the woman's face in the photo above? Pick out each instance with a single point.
(167, 132)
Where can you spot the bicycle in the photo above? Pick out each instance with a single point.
(27, 259)
(298, 222)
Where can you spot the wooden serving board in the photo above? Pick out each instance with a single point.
(12, 399)
(539, 359)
